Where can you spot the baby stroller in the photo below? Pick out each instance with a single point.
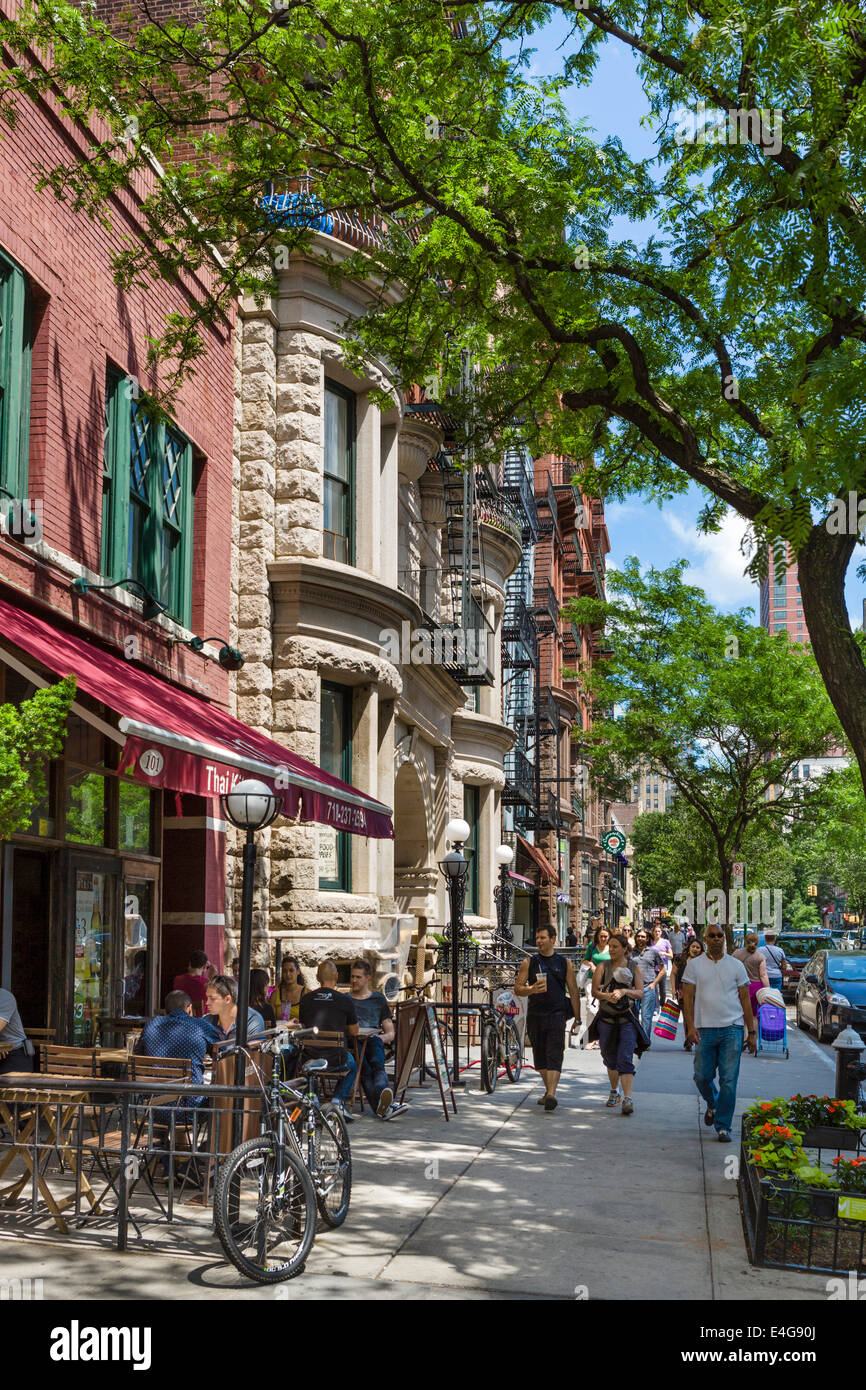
(772, 1028)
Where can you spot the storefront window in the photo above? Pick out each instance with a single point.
(84, 743)
(134, 817)
(85, 806)
(93, 975)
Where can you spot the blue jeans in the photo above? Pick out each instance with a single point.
(775, 981)
(648, 1006)
(374, 1078)
(719, 1050)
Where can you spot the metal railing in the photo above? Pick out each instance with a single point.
(95, 1144)
(519, 779)
(546, 607)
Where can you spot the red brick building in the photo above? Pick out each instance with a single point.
(115, 881)
(569, 563)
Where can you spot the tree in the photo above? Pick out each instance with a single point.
(674, 850)
(832, 843)
(726, 351)
(30, 734)
(725, 709)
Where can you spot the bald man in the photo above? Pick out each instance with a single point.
(333, 1012)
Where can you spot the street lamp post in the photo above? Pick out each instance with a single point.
(504, 894)
(251, 806)
(455, 868)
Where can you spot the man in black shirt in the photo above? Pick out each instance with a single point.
(548, 980)
(333, 1012)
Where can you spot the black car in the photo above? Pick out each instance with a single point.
(799, 947)
(832, 993)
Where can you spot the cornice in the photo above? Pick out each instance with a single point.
(340, 587)
(482, 729)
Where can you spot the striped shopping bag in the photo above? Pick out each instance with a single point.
(666, 1027)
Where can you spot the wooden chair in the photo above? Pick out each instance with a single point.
(39, 1037)
(326, 1042)
(152, 1134)
(69, 1061)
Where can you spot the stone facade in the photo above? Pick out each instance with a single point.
(302, 619)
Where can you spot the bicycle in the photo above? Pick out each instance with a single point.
(271, 1186)
(500, 1043)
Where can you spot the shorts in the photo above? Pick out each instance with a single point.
(618, 1042)
(547, 1038)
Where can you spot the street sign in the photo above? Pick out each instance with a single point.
(613, 841)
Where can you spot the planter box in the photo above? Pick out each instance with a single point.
(790, 1225)
(832, 1137)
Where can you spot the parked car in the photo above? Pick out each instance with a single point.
(799, 948)
(832, 993)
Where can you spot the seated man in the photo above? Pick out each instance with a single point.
(178, 1034)
(12, 1036)
(328, 1009)
(221, 1000)
(373, 1012)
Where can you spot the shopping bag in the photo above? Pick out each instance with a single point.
(669, 1016)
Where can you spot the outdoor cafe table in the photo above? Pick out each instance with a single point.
(359, 1047)
(58, 1109)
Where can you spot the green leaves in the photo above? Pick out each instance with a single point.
(30, 735)
(718, 705)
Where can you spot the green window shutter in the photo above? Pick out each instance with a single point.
(151, 536)
(187, 524)
(14, 378)
(115, 475)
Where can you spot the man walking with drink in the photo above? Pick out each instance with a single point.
(548, 981)
(715, 1002)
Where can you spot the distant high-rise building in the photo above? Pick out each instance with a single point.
(781, 606)
(649, 790)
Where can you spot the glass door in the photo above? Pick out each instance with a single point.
(139, 949)
(95, 964)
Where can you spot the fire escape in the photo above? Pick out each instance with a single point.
(452, 598)
(520, 646)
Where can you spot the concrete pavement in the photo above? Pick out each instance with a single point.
(503, 1201)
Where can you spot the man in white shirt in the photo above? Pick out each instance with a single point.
(715, 1002)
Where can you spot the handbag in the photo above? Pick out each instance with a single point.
(669, 1017)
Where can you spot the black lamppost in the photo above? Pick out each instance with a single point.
(250, 806)
(455, 869)
(504, 895)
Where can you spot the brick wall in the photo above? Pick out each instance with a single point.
(83, 323)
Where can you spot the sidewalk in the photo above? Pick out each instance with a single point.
(503, 1201)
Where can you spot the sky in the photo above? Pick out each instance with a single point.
(613, 104)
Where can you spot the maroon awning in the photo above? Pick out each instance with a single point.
(174, 739)
(540, 859)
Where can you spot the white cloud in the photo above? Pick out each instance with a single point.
(716, 561)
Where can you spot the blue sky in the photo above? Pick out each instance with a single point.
(613, 104)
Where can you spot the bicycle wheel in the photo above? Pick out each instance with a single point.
(332, 1175)
(513, 1053)
(265, 1211)
(489, 1057)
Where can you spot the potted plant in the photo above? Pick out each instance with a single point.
(827, 1123)
(851, 1174)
